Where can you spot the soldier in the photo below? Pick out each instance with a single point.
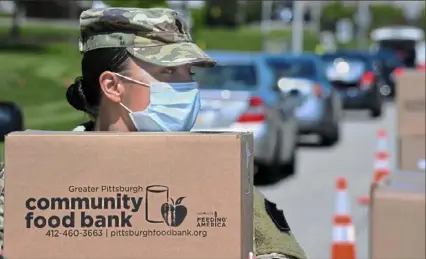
(136, 76)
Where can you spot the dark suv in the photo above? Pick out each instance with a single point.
(356, 77)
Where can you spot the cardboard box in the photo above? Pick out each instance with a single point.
(116, 195)
(411, 177)
(412, 153)
(397, 221)
(411, 103)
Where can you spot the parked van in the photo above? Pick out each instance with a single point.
(407, 41)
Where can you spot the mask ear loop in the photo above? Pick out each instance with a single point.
(133, 81)
(125, 107)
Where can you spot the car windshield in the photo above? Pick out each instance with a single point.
(228, 77)
(345, 68)
(292, 68)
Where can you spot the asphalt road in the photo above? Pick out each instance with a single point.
(308, 199)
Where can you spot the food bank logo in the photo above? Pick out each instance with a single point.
(160, 208)
(88, 212)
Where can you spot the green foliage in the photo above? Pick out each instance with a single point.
(386, 15)
(198, 21)
(221, 13)
(246, 39)
(136, 3)
(337, 10)
(253, 11)
(381, 14)
(422, 20)
(333, 12)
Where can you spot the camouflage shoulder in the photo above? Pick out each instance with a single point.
(1, 202)
(273, 237)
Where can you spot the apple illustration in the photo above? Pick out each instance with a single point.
(174, 213)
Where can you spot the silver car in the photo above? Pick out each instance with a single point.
(318, 106)
(237, 95)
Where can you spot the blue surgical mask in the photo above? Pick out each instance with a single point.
(172, 107)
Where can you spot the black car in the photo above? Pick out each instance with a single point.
(389, 66)
(356, 77)
(11, 119)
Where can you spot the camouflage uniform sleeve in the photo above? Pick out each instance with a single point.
(1, 202)
(272, 235)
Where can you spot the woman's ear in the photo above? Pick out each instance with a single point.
(111, 86)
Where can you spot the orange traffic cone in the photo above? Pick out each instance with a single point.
(381, 164)
(343, 244)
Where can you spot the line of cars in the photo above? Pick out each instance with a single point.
(282, 97)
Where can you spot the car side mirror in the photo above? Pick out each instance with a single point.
(11, 119)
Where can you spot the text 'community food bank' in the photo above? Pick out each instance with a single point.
(125, 204)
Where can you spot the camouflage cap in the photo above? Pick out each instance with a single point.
(159, 36)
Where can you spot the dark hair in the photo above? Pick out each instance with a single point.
(85, 93)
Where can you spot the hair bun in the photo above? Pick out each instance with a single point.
(75, 94)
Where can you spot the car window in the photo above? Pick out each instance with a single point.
(228, 77)
(292, 68)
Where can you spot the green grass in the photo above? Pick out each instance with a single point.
(5, 15)
(37, 31)
(36, 82)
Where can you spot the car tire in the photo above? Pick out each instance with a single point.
(332, 138)
(288, 169)
(265, 175)
(276, 172)
(268, 175)
(376, 112)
